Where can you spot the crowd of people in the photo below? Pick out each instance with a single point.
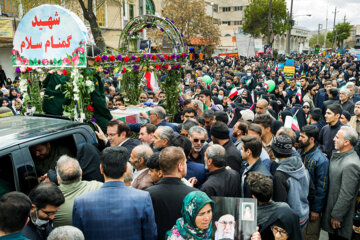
(293, 148)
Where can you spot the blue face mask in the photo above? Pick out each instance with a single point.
(38, 222)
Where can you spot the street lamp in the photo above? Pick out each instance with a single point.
(291, 25)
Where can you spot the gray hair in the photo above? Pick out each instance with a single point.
(68, 169)
(189, 124)
(199, 103)
(166, 132)
(357, 103)
(128, 174)
(160, 111)
(143, 151)
(289, 132)
(350, 85)
(350, 134)
(66, 233)
(218, 155)
(345, 90)
(208, 114)
(197, 129)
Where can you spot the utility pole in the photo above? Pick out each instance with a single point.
(318, 35)
(334, 31)
(327, 13)
(289, 32)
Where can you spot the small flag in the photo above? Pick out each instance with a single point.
(276, 67)
(298, 93)
(233, 64)
(233, 93)
(323, 69)
(248, 82)
(151, 81)
(268, 67)
(291, 122)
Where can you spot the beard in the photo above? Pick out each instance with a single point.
(304, 144)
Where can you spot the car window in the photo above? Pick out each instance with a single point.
(7, 183)
(46, 153)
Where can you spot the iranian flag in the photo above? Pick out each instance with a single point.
(323, 69)
(268, 67)
(233, 64)
(276, 67)
(233, 93)
(292, 122)
(298, 93)
(151, 81)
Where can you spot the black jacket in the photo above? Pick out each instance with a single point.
(326, 138)
(259, 167)
(223, 183)
(167, 197)
(34, 232)
(130, 144)
(233, 157)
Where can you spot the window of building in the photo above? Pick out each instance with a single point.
(9, 7)
(100, 13)
(226, 9)
(227, 35)
(226, 22)
(237, 22)
(150, 7)
(238, 8)
(131, 11)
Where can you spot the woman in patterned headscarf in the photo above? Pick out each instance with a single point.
(196, 221)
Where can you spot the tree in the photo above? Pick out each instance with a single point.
(87, 7)
(192, 21)
(315, 39)
(256, 19)
(340, 33)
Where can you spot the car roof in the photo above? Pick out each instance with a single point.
(18, 129)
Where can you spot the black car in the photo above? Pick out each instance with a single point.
(19, 134)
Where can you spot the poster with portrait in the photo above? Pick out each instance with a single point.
(248, 217)
(234, 218)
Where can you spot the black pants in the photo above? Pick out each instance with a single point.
(335, 237)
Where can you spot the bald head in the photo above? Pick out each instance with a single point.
(261, 106)
(68, 170)
(139, 156)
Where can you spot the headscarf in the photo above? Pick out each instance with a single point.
(186, 226)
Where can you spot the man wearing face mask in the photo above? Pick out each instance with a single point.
(248, 80)
(46, 199)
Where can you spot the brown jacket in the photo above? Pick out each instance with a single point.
(143, 181)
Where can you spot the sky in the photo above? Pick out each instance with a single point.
(318, 8)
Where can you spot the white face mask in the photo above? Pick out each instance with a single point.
(38, 222)
(248, 74)
(220, 97)
(228, 84)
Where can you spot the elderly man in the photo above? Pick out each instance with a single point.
(261, 108)
(354, 96)
(355, 120)
(198, 137)
(157, 117)
(138, 158)
(221, 181)
(163, 137)
(346, 104)
(69, 177)
(344, 179)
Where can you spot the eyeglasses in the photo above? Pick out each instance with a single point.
(197, 140)
(306, 107)
(282, 233)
